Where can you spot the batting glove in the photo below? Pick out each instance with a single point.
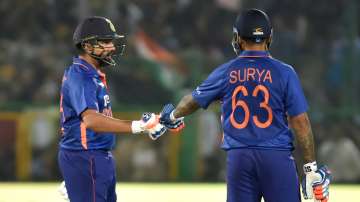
(63, 191)
(316, 183)
(167, 118)
(149, 124)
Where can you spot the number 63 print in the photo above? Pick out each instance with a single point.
(241, 103)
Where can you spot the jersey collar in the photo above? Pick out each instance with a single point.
(254, 54)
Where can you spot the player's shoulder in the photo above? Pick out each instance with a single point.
(77, 75)
(222, 68)
(282, 66)
(79, 71)
(232, 62)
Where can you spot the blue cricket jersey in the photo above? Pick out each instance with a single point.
(83, 87)
(257, 93)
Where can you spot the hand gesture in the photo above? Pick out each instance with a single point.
(169, 121)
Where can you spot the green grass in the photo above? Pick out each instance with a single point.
(150, 192)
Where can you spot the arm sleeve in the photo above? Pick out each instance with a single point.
(295, 99)
(82, 93)
(212, 88)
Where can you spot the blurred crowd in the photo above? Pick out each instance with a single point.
(320, 39)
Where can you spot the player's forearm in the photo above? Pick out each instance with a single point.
(101, 123)
(302, 128)
(186, 106)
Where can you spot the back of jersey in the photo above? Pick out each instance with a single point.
(257, 94)
(260, 93)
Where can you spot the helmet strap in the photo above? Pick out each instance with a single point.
(269, 40)
(235, 43)
(103, 60)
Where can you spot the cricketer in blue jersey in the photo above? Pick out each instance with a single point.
(87, 125)
(258, 95)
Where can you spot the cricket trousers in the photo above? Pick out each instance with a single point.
(253, 174)
(89, 175)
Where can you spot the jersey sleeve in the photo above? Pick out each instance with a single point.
(212, 88)
(82, 94)
(295, 99)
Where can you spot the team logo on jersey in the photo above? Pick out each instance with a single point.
(258, 31)
(111, 25)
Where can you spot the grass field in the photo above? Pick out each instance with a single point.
(150, 192)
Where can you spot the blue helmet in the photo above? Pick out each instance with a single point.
(94, 29)
(253, 25)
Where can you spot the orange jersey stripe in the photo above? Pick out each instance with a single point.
(61, 100)
(83, 135)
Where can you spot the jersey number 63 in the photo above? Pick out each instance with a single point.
(241, 103)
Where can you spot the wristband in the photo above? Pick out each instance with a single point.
(136, 127)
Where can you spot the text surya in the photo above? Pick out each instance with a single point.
(250, 74)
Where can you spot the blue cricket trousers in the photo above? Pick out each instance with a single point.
(89, 175)
(255, 173)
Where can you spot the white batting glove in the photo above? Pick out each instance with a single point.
(316, 183)
(149, 124)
